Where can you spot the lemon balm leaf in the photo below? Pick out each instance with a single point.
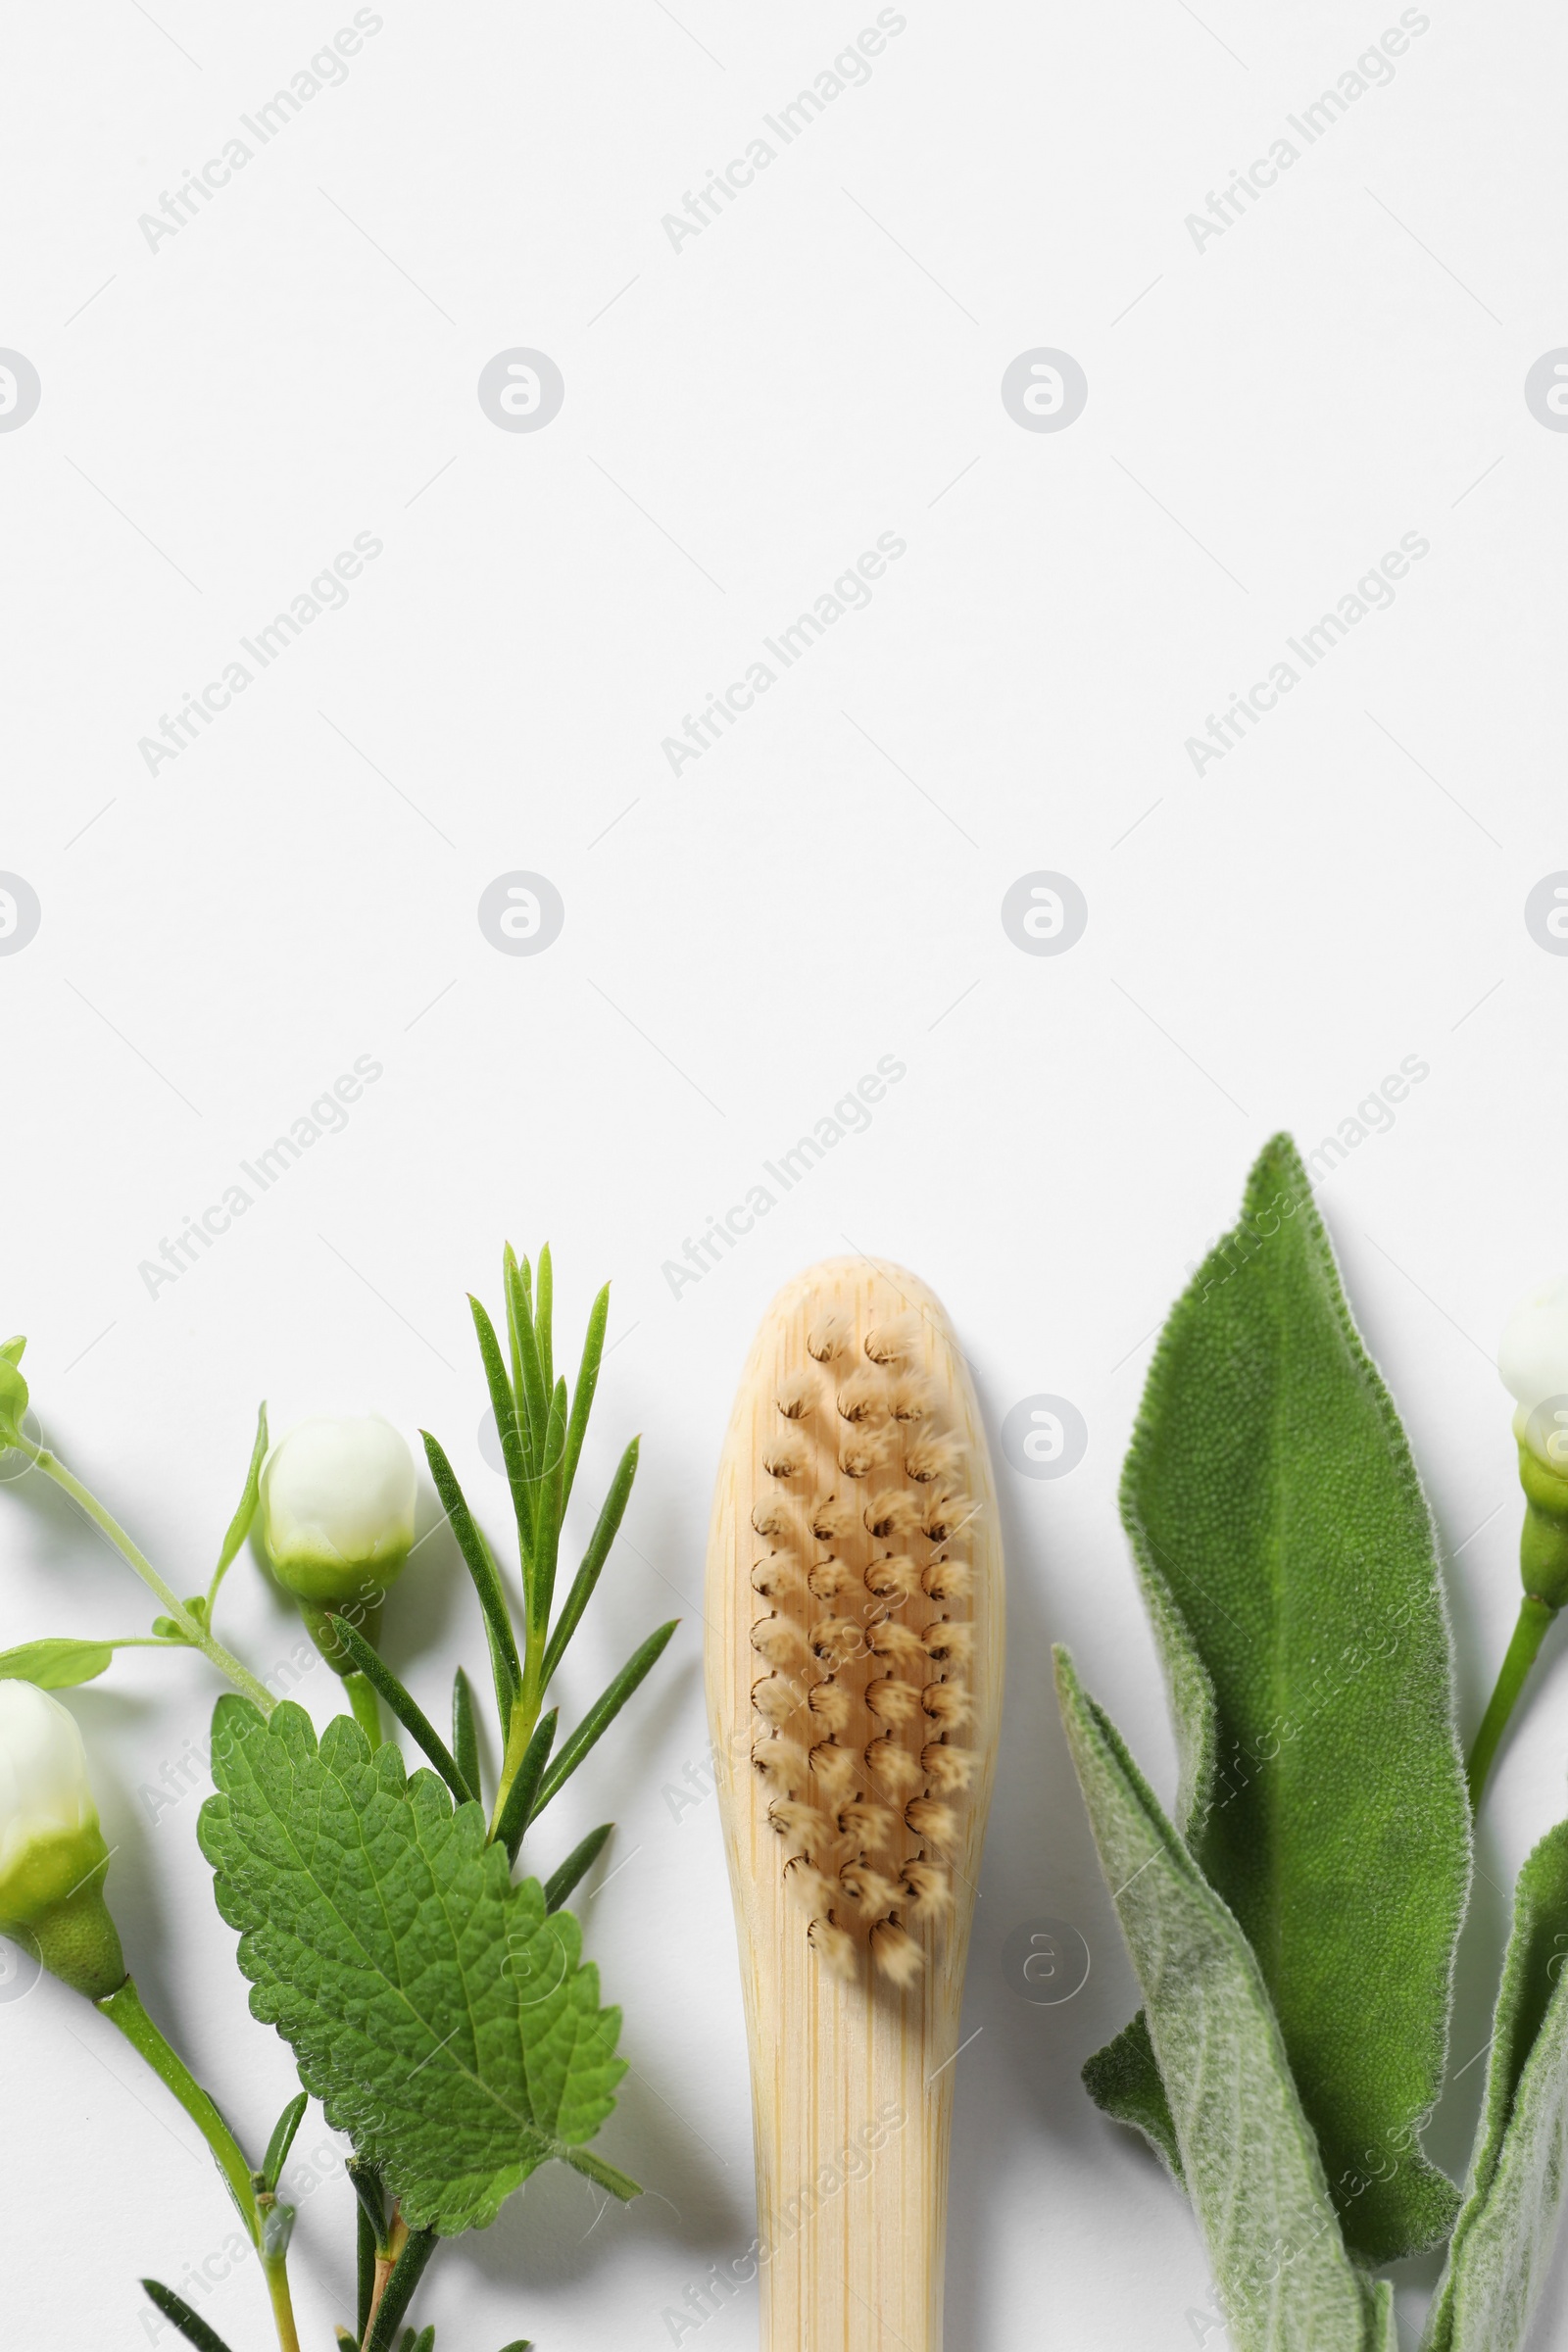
(441, 2015)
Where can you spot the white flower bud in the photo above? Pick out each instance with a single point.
(52, 1850)
(337, 1507)
(1533, 1358)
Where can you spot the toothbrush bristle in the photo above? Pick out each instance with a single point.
(825, 1339)
(830, 1578)
(865, 1643)
(948, 1770)
(891, 1344)
(929, 1818)
(894, 1577)
(929, 1887)
(784, 1456)
(796, 1397)
(832, 1705)
(776, 1697)
(867, 1886)
(950, 1641)
(895, 1952)
(834, 1948)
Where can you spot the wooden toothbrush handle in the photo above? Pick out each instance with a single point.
(852, 2098)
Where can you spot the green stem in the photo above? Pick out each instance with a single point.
(520, 1730)
(124, 2009)
(367, 1707)
(276, 2267)
(417, 2248)
(1535, 1615)
(195, 1634)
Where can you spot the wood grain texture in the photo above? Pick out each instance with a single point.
(852, 2080)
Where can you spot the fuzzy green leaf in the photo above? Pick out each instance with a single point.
(1502, 2242)
(1248, 2151)
(55, 1664)
(439, 2014)
(1287, 1558)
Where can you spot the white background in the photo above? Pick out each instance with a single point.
(1267, 414)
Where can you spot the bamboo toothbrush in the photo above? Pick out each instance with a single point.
(854, 1640)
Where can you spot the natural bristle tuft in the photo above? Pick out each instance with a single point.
(950, 1771)
(829, 1580)
(928, 1818)
(947, 1704)
(909, 1400)
(784, 1456)
(862, 1453)
(825, 1339)
(833, 1705)
(804, 1827)
(871, 1890)
(893, 1512)
(776, 1697)
(862, 1398)
(834, 1947)
(892, 1344)
(898, 1956)
(861, 1633)
(930, 1890)
(947, 1579)
(838, 1640)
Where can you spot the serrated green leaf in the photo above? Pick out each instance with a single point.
(442, 2017)
(1287, 1557)
(1251, 2159)
(55, 1664)
(1503, 2238)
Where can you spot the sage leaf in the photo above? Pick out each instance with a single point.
(443, 2019)
(1285, 1553)
(1502, 2241)
(1250, 2161)
(55, 1664)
